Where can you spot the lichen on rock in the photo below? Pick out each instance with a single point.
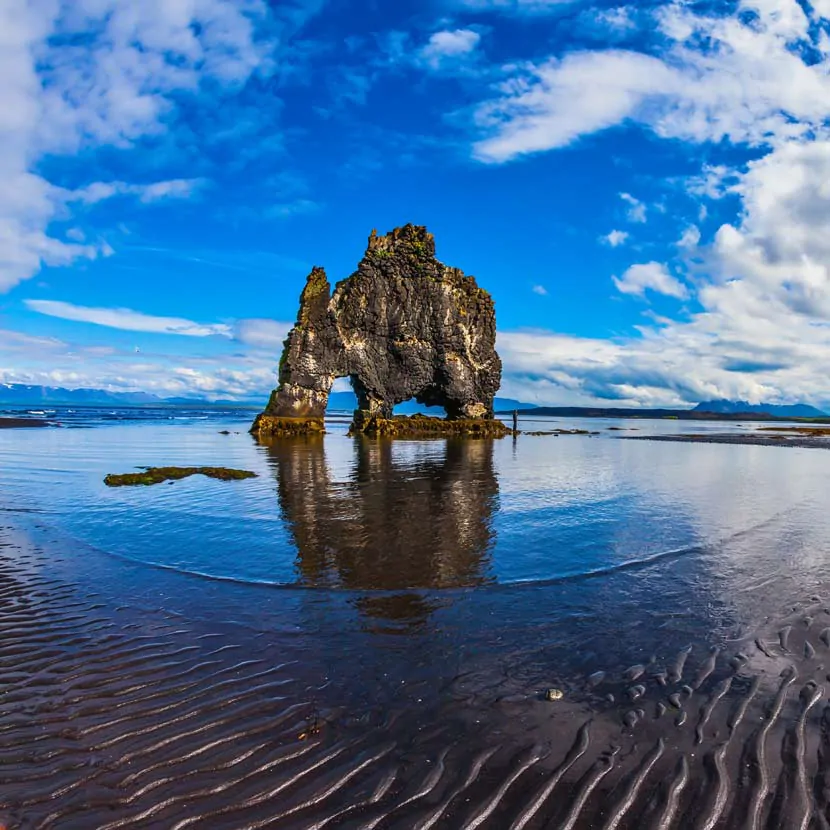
(403, 326)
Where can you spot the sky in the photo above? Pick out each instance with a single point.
(643, 188)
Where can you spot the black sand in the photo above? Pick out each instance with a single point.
(770, 440)
(114, 714)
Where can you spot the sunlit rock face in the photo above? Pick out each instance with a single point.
(403, 326)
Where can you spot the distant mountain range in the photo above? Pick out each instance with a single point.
(798, 410)
(18, 394)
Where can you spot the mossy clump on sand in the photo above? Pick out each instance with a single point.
(156, 475)
(426, 426)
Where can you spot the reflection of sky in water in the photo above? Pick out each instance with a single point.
(723, 523)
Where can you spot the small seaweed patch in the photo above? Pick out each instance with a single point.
(812, 432)
(156, 475)
(557, 432)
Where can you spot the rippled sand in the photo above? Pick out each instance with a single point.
(118, 715)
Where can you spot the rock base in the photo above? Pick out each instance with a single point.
(425, 426)
(271, 425)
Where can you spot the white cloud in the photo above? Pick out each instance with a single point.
(690, 238)
(99, 191)
(695, 89)
(449, 46)
(615, 238)
(553, 104)
(714, 181)
(517, 6)
(298, 207)
(636, 209)
(262, 333)
(540, 290)
(121, 85)
(651, 276)
(127, 319)
(620, 18)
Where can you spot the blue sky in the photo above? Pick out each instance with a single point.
(645, 188)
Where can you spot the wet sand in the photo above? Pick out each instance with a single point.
(115, 714)
(775, 439)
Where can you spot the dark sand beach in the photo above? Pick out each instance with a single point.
(794, 438)
(115, 715)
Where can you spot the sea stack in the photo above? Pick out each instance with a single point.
(402, 326)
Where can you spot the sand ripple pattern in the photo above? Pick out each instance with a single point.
(109, 719)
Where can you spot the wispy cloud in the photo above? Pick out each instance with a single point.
(127, 319)
(684, 90)
(99, 191)
(262, 334)
(516, 6)
(540, 290)
(637, 211)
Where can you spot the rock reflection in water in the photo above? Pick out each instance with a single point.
(410, 516)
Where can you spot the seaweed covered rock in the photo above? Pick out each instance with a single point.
(403, 326)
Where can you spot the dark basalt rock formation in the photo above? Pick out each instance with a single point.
(402, 326)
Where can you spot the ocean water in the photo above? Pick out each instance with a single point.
(725, 528)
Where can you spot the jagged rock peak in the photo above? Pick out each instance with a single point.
(408, 239)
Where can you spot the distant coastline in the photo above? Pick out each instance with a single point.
(658, 414)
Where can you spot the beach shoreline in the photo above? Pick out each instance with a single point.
(792, 440)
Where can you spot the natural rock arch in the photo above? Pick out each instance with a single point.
(402, 326)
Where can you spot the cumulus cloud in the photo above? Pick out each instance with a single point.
(540, 290)
(650, 276)
(122, 85)
(615, 238)
(449, 45)
(127, 319)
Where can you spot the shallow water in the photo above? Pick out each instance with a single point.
(424, 594)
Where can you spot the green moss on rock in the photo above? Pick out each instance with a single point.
(425, 426)
(266, 425)
(156, 475)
